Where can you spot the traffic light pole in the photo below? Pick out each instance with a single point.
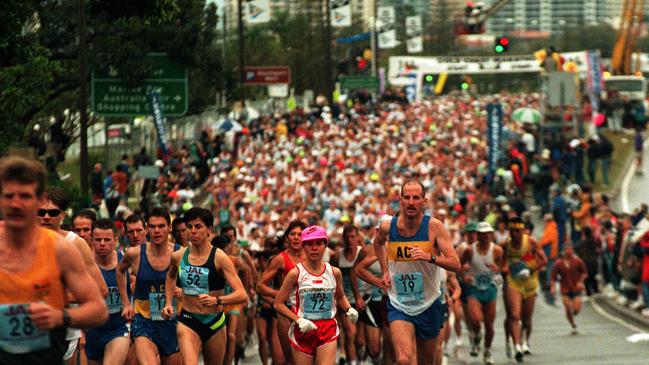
(373, 38)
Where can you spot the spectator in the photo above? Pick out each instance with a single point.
(97, 185)
(550, 243)
(588, 251)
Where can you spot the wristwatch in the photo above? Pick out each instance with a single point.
(218, 301)
(66, 318)
(433, 259)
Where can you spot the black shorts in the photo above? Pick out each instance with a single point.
(204, 325)
(267, 313)
(572, 294)
(375, 313)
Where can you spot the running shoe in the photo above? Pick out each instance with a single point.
(526, 348)
(574, 331)
(487, 358)
(519, 354)
(508, 349)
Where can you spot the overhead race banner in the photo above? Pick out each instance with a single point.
(341, 13)
(257, 11)
(385, 26)
(494, 136)
(414, 29)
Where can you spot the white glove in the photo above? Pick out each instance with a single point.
(498, 280)
(305, 325)
(352, 315)
(523, 274)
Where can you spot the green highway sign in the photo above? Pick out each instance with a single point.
(111, 97)
(359, 82)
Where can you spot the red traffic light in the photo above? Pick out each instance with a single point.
(503, 41)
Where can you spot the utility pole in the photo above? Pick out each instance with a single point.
(373, 36)
(241, 55)
(329, 89)
(83, 100)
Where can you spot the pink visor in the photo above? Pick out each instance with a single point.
(313, 233)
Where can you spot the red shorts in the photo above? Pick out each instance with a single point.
(309, 342)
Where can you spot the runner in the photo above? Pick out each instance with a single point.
(522, 260)
(108, 344)
(237, 314)
(135, 229)
(278, 267)
(52, 214)
(154, 335)
(460, 308)
(354, 333)
(482, 257)
(37, 267)
(179, 231)
(414, 309)
(572, 273)
(315, 329)
(372, 308)
(82, 223)
(201, 271)
(450, 292)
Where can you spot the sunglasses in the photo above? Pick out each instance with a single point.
(51, 212)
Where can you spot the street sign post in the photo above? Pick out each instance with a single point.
(359, 82)
(267, 75)
(111, 97)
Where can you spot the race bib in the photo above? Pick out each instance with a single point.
(18, 334)
(156, 304)
(409, 286)
(113, 300)
(194, 280)
(483, 281)
(516, 267)
(318, 305)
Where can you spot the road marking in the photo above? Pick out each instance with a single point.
(630, 172)
(638, 337)
(617, 320)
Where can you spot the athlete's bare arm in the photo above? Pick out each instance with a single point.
(380, 241)
(448, 259)
(128, 262)
(361, 268)
(498, 255)
(89, 262)
(238, 295)
(275, 266)
(251, 265)
(91, 312)
(288, 286)
(541, 259)
(341, 299)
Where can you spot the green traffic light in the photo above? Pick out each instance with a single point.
(464, 86)
(429, 78)
(499, 49)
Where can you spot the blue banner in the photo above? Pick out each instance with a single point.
(355, 38)
(595, 79)
(494, 136)
(158, 118)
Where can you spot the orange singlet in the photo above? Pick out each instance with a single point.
(20, 341)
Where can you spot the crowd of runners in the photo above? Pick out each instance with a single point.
(369, 235)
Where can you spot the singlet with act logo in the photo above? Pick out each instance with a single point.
(149, 295)
(415, 285)
(113, 300)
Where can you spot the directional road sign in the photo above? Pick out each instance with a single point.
(360, 82)
(111, 97)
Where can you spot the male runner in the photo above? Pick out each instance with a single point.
(523, 257)
(135, 229)
(154, 335)
(37, 267)
(354, 332)
(82, 223)
(108, 344)
(481, 258)
(572, 272)
(461, 307)
(410, 271)
(52, 214)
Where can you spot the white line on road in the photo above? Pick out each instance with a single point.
(630, 172)
(617, 320)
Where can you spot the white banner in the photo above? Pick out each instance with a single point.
(416, 44)
(385, 16)
(413, 26)
(341, 13)
(257, 11)
(388, 39)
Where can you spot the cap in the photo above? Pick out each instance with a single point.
(484, 227)
(470, 227)
(314, 233)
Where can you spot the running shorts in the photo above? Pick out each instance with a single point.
(527, 288)
(97, 340)
(427, 323)
(204, 325)
(232, 309)
(161, 333)
(308, 343)
(483, 295)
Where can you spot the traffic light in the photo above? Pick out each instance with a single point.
(429, 79)
(466, 83)
(501, 45)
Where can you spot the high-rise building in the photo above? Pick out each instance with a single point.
(553, 16)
